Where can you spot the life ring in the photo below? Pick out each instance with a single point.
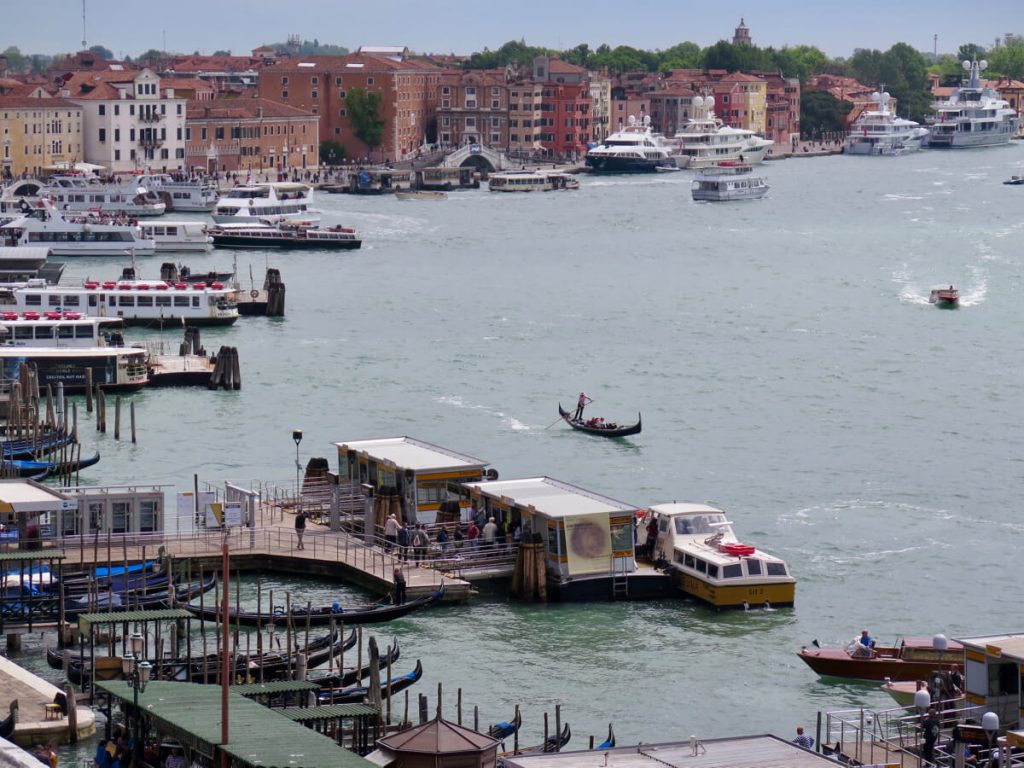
(254, 293)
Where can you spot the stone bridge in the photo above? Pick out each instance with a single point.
(478, 156)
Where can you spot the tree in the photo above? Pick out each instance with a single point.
(362, 110)
(222, 53)
(580, 55)
(16, 60)
(970, 52)
(905, 74)
(331, 152)
(1008, 59)
(680, 56)
(866, 66)
(103, 53)
(821, 112)
(807, 59)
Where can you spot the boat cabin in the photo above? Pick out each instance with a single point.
(57, 329)
(447, 179)
(588, 537)
(376, 181)
(423, 475)
(530, 181)
(994, 678)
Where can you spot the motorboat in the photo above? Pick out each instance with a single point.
(705, 140)
(193, 194)
(531, 181)
(74, 192)
(293, 236)
(1015, 180)
(150, 303)
(973, 116)
(945, 298)
(942, 686)
(913, 658)
(274, 202)
(727, 182)
(880, 131)
(634, 149)
(698, 543)
(177, 236)
(421, 194)
(93, 234)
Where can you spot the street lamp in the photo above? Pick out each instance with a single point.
(297, 437)
(137, 673)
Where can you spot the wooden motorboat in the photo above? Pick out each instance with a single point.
(608, 743)
(421, 194)
(357, 694)
(945, 298)
(943, 686)
(353, 676)
(599, 426)
(912, 659)
(318, 617)
(505, 728)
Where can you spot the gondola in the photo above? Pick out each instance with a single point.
(357, 694)
(554, 743)
(353, 676)
(136, 599)
(608, 743)
(29, 468)
(8, 723)
(505, 728)
(319, 617)
(31, 448)
(592, 429)
(136, 582)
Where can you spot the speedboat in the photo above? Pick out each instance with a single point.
(705, 140)
(710, 563)
(914, 658)
(945, 298)
(728, 182)
(1015, 180)
(880, 132)
(974, 116)
(634, 149)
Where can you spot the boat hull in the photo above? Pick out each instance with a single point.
(241, 241)
(968, 140)
(836, 662)
(632, 429)
(620, 165)
(589, 589)
(740, 596)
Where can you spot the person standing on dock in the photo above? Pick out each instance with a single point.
(581, 403)
(300, 527)
(399, 578)
(403, 541)
(390, 533)
(472, 534)
(420, 543)
(490, 533)
(930, 730)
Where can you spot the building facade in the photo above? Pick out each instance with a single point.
(36, 132)
(782, 108)
(671, 109)
(244, 134)
(473, 108)
(600, 107)
(565, 106)
(130, 122)
(525, 116)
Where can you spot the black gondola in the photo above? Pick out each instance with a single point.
(608, 743)
(8, 723)
(612, 430)
(357, 694)
(505, 728)
(353, 676)
(29, 468)
(554, 743)
(318, 617)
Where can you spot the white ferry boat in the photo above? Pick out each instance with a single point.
(41, 224)
(286, 236)
(177, 235)
(880, 132)
(973, 116)
(62, 347)
(194, 194)
(531, 181)
(88, 193)
(727, 182)
(710, 562)
(705, 141)
(154, 304)
(274, 202)
(634, 149)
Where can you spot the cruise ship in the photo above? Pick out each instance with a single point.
(42, 225)
(705, 141)
(634, 149)
(974, 116)
(273, 202)
(880, 132)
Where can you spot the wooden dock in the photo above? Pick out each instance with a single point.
(35, 722)
(180, 370)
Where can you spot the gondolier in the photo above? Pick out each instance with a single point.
(581, 403)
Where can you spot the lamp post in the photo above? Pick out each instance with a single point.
(297, 437)
(137, 673)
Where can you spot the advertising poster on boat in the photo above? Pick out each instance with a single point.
(588, 543)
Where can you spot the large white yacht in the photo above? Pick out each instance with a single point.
(41, 224)
(974, 116)
(273, 202)
(880, 132)
(194, 194)
(89, 193)
(705, 141)
(634, 149)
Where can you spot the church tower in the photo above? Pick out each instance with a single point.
(742, 35)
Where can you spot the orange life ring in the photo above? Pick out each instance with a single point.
(254, 293)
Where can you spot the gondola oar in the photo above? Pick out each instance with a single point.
(549, 426)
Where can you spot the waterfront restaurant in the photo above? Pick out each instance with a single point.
(993, 672)
(588, 537)
(424, 475)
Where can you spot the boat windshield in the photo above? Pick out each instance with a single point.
(699, 524)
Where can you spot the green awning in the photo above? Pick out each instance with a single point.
(116, 617)
(37, 554)
(329, 712)
(278, 686)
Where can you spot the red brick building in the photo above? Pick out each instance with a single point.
(565, 107)
(473, 108)
(320, 84)
(245, 134)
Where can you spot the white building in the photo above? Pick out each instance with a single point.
(130, 122)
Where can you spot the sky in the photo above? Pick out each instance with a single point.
(464, 26)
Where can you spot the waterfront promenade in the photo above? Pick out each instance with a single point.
(36, 722)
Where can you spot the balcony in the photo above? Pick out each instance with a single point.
(150, 117)
(150, 142)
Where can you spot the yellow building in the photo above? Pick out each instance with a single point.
(37, 131)
(742, 101)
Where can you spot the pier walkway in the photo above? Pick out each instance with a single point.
(35, 722)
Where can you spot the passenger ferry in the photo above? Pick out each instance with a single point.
(195, 194)
(728, 182)
(711, 564)
(531, 181)
(154, 304)
(447, 179)
(88, 193)
(177, 235)
(880, 132)
(973, 116)
(276, 201)
(634, 149)
(41, 224)
(705, 141)
(378, 181)
(288, 236)
(63, 346)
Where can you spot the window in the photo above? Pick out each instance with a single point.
(495, 138)
(702, 566)
(203, 134)
(471, 122)
(341, 113)
(369, 81)
(776, 569)
(102, 109)
(284, 80)
(119, 516)
(315, 94)
(33, 300)
(117, 154)
(342, 95)
(495, 104)
(117, 109)
(103, 135)
(446, 103)
(732, 571)
(494, 91)
(446, 121)
(337, 81)
(446, 91)
(754, 567)
(284, 94)
(314, 80)
(117, 134)
(470, 91)
(148, 515)
(219, 133)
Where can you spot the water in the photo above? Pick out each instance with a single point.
(788, 367)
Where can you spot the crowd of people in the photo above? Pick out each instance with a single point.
(479, 534)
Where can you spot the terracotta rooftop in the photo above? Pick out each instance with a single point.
(216, 64)
(560, 67)
(438, 737)
(187, 84)
(352, 61)
(28, 102)
(241, 109)
(674, 90)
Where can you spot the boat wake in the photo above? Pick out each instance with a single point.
(970, 296)
(510, 421)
